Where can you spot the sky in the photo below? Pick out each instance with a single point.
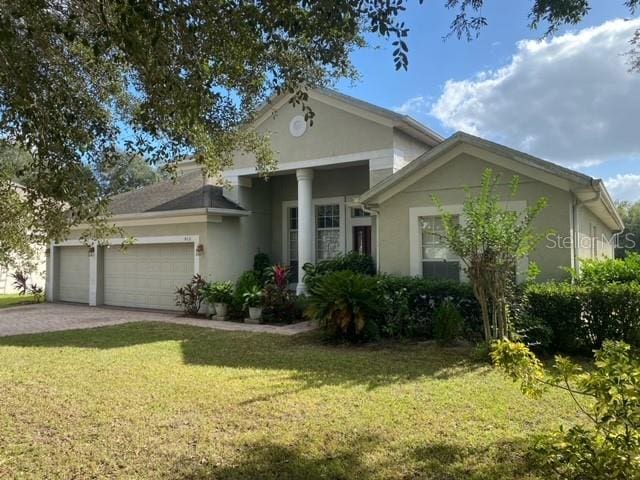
(569, 98)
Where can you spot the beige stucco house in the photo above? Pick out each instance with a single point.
(361, 178)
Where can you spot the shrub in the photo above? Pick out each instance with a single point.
(279, 276)
(262, 267)
(280, 305)
(447, 323)
(352, 262)
(411, 302)
(346, 304)
(611, 312)
(611, 447)
(189, 297)
(532, 331)
(247, 281)
(582, 317)
(37, 292)
(21, 282)
(559, 307)
(253, 297)
(601, 272)
(218, 292)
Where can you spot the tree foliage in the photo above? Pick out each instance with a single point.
(490, 242)
(609, 397)
(172, 78)
(164, 79)
(629, 239)
(120, 172)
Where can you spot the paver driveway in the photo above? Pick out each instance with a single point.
(50, 317)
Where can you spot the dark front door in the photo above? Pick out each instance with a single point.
(362, 239)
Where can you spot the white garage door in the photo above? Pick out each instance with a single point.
(74, 274)
(146, 276)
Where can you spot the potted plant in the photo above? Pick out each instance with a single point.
(219, 295)
(253, 301)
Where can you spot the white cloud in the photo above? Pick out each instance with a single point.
(624, 186)
(570, 99)
(413, 106)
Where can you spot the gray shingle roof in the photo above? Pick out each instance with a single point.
(188, 191)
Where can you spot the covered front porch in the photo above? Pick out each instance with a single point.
(311, 213)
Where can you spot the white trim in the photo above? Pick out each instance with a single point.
(51, 273)
(449, 150)
(93, 270)
(238, 181)
(315, 202)
(316, 162)
(351, 222)
(399, 160)
(93, 277)
(229, 212)
(415, 236)
(171, 217)
(285, 229)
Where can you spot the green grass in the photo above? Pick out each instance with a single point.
(11, 300)
(166, 401)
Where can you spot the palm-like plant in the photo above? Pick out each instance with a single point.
(343, 302)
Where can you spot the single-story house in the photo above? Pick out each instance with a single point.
(361, 178)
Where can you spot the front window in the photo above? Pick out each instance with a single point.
(327, 232)
(437, 260)
(293, 242)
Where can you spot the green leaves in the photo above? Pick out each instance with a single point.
(611, 447)
(490, 239)
(166, 80)
(344, 302)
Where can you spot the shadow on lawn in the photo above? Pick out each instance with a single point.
(302, 358)
(365, 458)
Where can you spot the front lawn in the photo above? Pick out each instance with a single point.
(166, 401)
(11, 300)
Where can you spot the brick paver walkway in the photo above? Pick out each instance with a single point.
(51, 317)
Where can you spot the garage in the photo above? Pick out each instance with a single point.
(146, 276)
(74, 274)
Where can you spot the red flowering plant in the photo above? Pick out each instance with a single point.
(280, 305)
(280, 276)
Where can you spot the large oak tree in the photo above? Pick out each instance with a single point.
(168, 78)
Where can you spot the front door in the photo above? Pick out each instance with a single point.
(362, 239)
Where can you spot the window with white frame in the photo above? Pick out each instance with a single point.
(292, 222)
(437, 260)
(327, 231)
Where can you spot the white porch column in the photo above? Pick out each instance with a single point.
(305, 223)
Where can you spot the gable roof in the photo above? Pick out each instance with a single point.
(187, 192)
(404, 123)
(585, 183)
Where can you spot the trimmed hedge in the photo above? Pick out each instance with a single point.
(351, 262)
(410, 304)
(606, 271)
(582, 317)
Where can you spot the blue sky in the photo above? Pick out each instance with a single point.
(568, 99)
